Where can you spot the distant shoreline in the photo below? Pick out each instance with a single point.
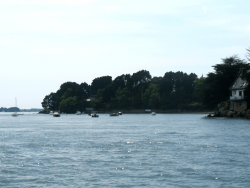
(140, 112)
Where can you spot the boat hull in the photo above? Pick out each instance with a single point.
(113, 114)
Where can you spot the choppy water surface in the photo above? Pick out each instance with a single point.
(166, 150)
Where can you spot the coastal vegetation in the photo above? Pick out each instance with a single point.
(11, 109)
(174, 90)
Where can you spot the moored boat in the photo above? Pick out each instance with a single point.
(15, 114)
(113, 114)
(153, 113)
(94, 115)
(51, 113)
(56, 114)
(120, 113)
(78, 113)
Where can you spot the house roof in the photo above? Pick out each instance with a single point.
(240, 83)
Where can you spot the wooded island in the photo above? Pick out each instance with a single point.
(174, 90)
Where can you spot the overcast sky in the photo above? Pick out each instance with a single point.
(44, 43)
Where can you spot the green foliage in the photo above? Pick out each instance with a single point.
(217, 84)
(67, 94)
(100, 83)
(50, 101)
(151, 97)
(175, 90)
(198, 88)
(11, 109)
(121, 81)
(122, 98)
(68, 105)
(195, 107)
(106, 93)
(224, 105)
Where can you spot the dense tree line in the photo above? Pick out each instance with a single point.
(11, 109)
(175, 90)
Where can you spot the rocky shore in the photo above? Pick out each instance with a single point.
(45, 111)
(231, 114)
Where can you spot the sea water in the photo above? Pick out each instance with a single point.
(131, 150)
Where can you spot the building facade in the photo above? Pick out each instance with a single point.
(237, 98)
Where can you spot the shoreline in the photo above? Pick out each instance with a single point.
(139, 112)
(245, 114)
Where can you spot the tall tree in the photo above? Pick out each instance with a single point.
(50, 102)
(100, 83)
(217, 84)
(121, 81)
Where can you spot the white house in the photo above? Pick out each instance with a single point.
(237, 98)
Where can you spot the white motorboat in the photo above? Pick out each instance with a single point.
(153, 113)
(56, 114)
(120, 113)
(78, 113)
(51, 113)
(94, 114)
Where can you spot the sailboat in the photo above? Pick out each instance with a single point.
(15, 114)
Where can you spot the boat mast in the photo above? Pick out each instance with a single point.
(16, 105)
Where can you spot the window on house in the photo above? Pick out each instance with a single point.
(240, 93)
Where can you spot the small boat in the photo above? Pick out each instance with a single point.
(51, 113)
(153, 113)
(56, 114)
(15, 114)
(94, 115)
(120, 113)
(78, 113)
(113, 114)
